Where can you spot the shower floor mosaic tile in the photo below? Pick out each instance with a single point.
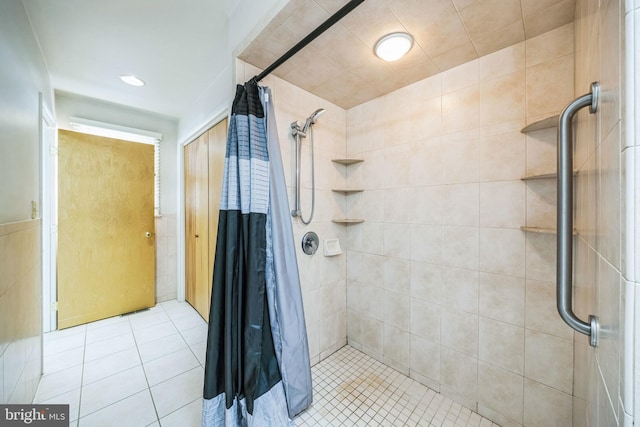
(353, 389)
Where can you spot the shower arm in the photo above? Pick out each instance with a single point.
(564, 267)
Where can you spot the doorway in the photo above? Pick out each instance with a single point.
(106, 245)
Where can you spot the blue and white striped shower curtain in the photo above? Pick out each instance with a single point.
(257, 370)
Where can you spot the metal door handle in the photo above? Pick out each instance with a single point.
(564, 268)
(148, 234)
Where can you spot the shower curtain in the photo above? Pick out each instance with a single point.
(257, 370)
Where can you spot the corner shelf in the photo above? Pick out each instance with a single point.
(347, 162)
(543, 230)
(348, 221)
(546, 123)
(347, 190)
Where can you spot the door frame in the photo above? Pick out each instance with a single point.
(48, 213)
(217, 118)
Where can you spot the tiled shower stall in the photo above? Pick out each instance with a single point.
(440, 282)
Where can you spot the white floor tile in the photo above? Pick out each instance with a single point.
(99, 324)
(189, 321)
(114, 329)
(58, 383)
(155, 349)
(178, 391)
(112, 389)
(187, 416)
(154, 332)
(169, 366)
(175, 309)
(109, 346)
(71, 398)
(196, 334)
(112, 364)
(133, 411)
(63, 360)
(61, 341)
(147, 318)
(200, 350)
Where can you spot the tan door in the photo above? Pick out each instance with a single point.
(106, 246)
(196, 166)
(203, 165)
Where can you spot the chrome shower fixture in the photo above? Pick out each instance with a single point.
(300, 131)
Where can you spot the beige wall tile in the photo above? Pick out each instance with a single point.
(397, 275)
(502, 298)
(426, 162)
(397, 240)
(425, 322)
(460, 289)
(460, 202)
(541, 202)
(501, 345)
(541, 312)
(458, 373)
(398, 205)
(501, 391)
(549, 360)
(549, 86)
(502, 251)
(396, 345)
(502, 204)
(461, 110)
(426, 243)
(460, 158)
(550, 45)
(425, 358)
(540, 257)
(460, 77)
(459, 331)
(609, 203)
(426, 281)
(542, 150)
(545, 406)
(502, 156)
(500, 38)
(396, 311)
(425, 119)
(502, 99)
(427, 205)
(504, 61)
(460, 246)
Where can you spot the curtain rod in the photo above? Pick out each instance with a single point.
(309, 38)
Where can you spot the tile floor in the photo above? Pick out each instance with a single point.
(146, 369)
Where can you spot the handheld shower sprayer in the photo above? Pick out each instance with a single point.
(301, 132)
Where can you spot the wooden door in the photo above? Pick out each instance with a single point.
(106, 248)
(203, 168)
(196, 168)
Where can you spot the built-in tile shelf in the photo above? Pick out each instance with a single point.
(543, 176)
(347, 162)
(348, 221)
(544, 230)
(347, 190)
(546, 123)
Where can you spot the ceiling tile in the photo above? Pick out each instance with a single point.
(341, 67)
(547, 19)
(443, 35)
(369, 23)
(486, 16)
(305, 19)
(455, 56)
(503, 37)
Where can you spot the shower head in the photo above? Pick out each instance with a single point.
(312, 118)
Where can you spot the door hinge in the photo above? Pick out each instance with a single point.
(54, 306)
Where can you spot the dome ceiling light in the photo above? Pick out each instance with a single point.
(132, 80)
(393, 46)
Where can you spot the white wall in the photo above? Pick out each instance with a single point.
(23, 75)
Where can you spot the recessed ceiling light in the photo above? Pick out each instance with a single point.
(393, 46)
(132, 80)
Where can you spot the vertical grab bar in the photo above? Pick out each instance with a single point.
(564, 268)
